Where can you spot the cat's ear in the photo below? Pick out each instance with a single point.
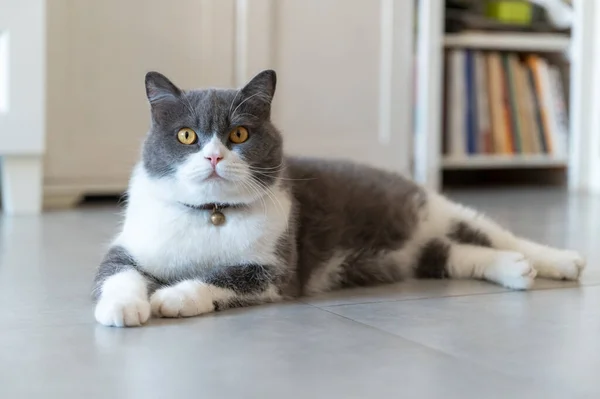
(159, 88)
(258, 93)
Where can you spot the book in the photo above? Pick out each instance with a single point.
(537, 115)
(529, 138)
(496, 99)
(456, 126)
(540, 75)
(471, 109)
(511, 101)
(484, 129)
(560, 108)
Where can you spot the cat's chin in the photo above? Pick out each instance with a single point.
(193, 191)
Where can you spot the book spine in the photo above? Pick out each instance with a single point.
(496, 100)
(485, 145)
(457, 104)
(512, 104)
(508, 113)
(537, 109)
(523, 107)
(536, 64)
(559, 108)
(471, 110)
(536, 117)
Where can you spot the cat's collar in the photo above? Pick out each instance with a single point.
(217, 217)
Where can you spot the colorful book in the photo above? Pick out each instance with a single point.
(471, 110)
(540, 75)
(560, 108)
(513, 108)
(484, 129)
(537, 115)
(456, 126)
(529, 138)
(496, 99)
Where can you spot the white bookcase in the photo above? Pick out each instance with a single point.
(432, 41)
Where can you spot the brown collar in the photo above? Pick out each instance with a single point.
(217, 218)
(212, 206)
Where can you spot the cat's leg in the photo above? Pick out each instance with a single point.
(442, 258)
(467, 226)
(232, 286)
(121, 291)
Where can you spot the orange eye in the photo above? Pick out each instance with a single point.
(238, 135)
(187, 136)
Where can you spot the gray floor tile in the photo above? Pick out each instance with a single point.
(280, 351)
(548, 336)
(426, 339)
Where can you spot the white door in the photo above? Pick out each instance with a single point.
(22, 95)
(344, 74)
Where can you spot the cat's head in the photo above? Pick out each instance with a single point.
(213, 145)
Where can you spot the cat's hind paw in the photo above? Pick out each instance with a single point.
(512, 270)
(559, 264)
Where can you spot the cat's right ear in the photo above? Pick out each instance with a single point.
(159, 88)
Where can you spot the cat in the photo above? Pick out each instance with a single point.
(218, 217)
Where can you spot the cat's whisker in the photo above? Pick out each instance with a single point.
(259, 195)
(246, 99)
(271, 195)
(282, 165)
(285, 178)
(232, 102)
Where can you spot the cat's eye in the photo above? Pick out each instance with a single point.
(238, 135)
(187, 136)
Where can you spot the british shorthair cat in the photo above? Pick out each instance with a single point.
(218, 217)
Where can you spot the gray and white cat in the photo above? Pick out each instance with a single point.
(218, 217)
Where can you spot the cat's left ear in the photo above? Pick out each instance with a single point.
(159, 88)
(258, 93)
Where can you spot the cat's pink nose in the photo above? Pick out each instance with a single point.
(214, 159)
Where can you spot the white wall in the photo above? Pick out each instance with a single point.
(345, 74)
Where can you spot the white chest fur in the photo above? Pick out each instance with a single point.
(167, 239)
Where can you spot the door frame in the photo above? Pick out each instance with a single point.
(584, 154)
(23, 117)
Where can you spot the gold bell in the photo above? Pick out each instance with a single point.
(217, 218)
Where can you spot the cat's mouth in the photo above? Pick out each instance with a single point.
(214, 176)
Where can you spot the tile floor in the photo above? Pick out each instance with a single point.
(424, 339)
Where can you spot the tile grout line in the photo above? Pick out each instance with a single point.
(439, 351)
(450, 296)
(427, 347)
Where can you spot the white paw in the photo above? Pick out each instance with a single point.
(559, 264)
(512, 270)
(122, 312)
(188, 298)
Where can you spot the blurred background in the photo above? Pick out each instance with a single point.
(453, 93)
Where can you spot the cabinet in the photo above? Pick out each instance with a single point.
(344, 78)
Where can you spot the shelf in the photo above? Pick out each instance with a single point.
(503, 162)
(545, 42)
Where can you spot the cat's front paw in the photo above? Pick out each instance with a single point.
(122, 312)
(186, 299)
(559, 264)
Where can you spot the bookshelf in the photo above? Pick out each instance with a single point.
(432, 45)
(504, 162)
(535, 42)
